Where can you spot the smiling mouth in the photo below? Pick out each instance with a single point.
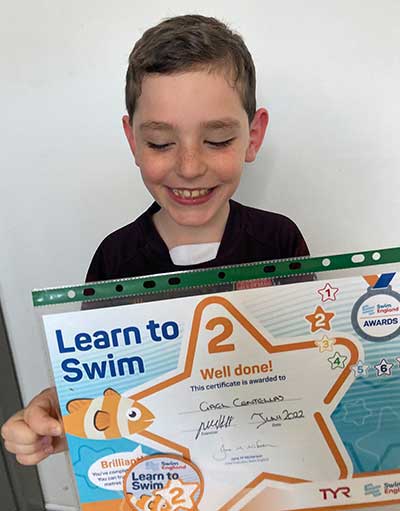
(148, 421)
(186, 193)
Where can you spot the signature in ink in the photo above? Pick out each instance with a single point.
(214, 425)
(222, 452)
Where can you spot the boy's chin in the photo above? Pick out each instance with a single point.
(209, 214)
(192, 220)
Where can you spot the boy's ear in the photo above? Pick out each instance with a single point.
(258, 127)
(129, 134)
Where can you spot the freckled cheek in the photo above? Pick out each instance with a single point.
(229, 169)
(155, 171)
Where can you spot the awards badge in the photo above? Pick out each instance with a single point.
(163, 482)
(376, 314)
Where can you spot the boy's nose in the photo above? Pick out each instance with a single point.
(191, 164)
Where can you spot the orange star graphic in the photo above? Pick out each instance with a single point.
(186, 492)
(175, 430)
(320, 319)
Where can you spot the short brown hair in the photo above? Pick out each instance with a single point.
(188, 42)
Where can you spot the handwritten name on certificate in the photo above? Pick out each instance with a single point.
(278, 398)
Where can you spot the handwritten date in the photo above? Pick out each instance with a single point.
(285, 415)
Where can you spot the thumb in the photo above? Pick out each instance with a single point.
(39, 415)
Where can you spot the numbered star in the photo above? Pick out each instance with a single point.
(320, 319)
(325, 344)
(360, 369)
(384, 368)
(328, 293)
(337, 360)
(179, 495)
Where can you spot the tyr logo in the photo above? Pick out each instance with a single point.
(343, 490)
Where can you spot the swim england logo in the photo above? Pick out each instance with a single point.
(368, 310)
(376, 314)
(372, 490)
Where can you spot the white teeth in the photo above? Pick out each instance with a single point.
(190, 194)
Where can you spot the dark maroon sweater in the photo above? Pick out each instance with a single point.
(250, 235)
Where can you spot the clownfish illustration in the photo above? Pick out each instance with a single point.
(108, 416)
(151, 503)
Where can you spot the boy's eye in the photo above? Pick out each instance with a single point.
(163, 147)
(159, 147)
(224, 143)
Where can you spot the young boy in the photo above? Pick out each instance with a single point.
(192, 123)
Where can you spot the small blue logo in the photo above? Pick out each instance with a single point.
(373, 489)
(368, 309)
(151, 465)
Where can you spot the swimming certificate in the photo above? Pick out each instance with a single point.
(280, 398)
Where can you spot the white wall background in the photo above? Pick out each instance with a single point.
(329, 73)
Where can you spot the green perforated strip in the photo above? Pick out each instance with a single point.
(211, 276)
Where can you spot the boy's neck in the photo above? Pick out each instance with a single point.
(175, 235)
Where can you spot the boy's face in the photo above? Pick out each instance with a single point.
(190, 137)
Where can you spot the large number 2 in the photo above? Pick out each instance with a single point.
(215, 345)
(176, 498)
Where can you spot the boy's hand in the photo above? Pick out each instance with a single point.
(36, 431)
